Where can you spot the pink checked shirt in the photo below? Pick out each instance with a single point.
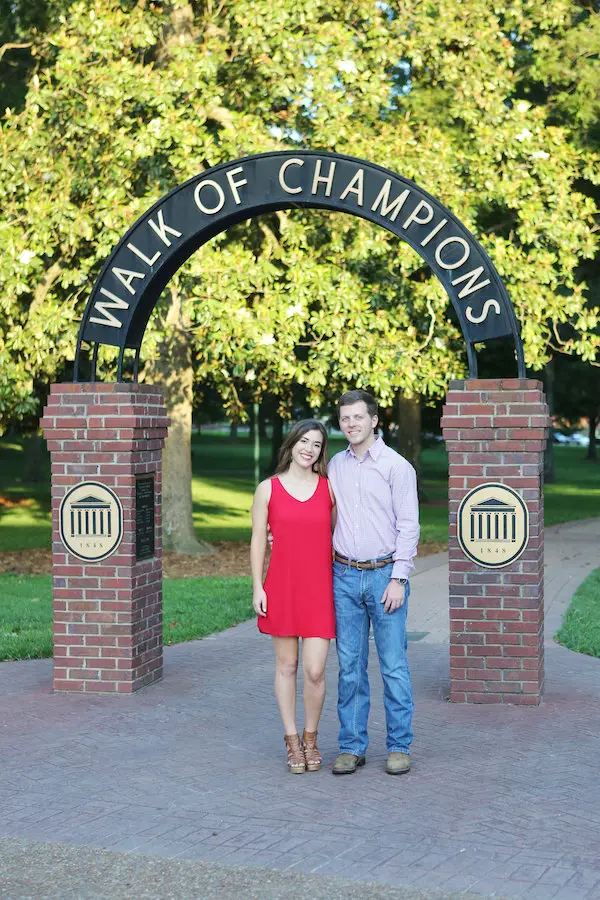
(377, 506)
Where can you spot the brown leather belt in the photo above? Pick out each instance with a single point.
(364, 563)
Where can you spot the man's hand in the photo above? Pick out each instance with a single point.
(259, 601)
(393, 596)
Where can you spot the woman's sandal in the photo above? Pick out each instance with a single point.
(295, 754)
(311, 751)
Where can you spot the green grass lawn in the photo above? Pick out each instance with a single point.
(223, 485)
(580, 630)
(192, 608)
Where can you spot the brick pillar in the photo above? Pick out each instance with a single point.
(107, 614)
(495, 431)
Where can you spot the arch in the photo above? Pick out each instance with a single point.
(161, 240)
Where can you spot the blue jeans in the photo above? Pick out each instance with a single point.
(357, 596)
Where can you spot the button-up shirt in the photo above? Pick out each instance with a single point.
(377, 506)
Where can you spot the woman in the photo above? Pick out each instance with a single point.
(296, 600)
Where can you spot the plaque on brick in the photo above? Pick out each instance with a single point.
(493, 525)
(144, 517)
(91, 521)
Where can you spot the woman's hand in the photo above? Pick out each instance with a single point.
(259, 601)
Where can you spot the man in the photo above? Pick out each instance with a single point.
(375, 541)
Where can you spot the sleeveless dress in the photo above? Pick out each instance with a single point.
(299, 583)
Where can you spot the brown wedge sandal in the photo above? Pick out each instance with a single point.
(295, 754)
(311, 751)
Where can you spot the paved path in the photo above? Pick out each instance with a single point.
(502, 801)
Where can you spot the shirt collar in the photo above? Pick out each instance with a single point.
(374, 450)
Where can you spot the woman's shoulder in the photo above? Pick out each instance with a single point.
(263, 490)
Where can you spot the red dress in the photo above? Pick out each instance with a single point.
(299, 583)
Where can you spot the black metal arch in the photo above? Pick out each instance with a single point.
(161, 240)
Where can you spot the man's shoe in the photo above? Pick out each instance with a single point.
(397, 763)
(347, 763)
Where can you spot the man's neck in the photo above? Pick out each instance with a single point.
(360, 450)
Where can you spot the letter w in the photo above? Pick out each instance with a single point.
(104, 306)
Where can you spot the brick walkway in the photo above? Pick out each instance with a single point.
(501, 801)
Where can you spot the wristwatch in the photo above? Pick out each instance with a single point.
(400, 580)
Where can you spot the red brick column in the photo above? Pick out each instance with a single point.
(107, 614)
(495, 431)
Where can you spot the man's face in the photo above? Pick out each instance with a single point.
(356, 423)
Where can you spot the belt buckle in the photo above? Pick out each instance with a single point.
(359, 566)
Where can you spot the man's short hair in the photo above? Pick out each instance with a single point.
(357, 396)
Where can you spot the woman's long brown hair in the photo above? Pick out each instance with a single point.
(298, 431)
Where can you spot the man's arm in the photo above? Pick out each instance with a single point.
(405, 503)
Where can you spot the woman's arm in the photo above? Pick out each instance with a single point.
(258, 545)
(333, 508)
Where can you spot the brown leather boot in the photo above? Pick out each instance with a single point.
(295, 754)
(311, 751)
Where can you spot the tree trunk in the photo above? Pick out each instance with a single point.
(172, 369)
(233, 430)
(32, 462)
(591, 450)
(262, 422)
(276, 440)
(549, 448)
(408, 439)
(407, 412)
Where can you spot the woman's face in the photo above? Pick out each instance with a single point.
(307, 449)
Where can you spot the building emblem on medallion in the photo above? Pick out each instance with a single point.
(91, 521)
(493, 525)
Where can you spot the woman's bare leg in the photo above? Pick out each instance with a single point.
(314, 657)
(286, 669)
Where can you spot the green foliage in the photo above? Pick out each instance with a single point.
(128, 99)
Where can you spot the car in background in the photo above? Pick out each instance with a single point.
(574, 439)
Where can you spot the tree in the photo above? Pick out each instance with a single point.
(577, 396)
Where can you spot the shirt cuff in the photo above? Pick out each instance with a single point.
(402, 569)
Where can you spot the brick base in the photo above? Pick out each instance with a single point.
(108, 614)
(495, 431)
